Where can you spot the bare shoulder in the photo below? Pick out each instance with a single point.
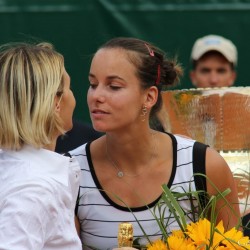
(217, 170)
(220, 178)
(214, 160)
(97, 145)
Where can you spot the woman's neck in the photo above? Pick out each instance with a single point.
(51, 146)
(132, 153)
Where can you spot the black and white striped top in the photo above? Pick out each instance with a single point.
(100, 216)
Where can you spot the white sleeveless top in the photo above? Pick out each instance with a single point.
(100, 217)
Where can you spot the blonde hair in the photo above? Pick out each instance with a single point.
(30, 78)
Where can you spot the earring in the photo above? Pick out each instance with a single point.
(144, 112)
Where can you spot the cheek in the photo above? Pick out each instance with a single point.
(69, 102)
(88, 99)
(74, 102)
(89, 95)
(201, 76)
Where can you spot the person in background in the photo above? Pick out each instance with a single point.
(214, 61)
(38, 186)
(123, 171)
(81, 133)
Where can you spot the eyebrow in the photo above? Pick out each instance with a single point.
(109, 77)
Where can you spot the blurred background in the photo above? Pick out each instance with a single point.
(78, 27)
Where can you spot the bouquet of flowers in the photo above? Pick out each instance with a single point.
(203, 234)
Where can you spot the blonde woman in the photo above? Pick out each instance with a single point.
(38, 186)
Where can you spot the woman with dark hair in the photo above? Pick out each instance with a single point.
(123, 171)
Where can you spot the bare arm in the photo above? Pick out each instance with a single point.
(77, 225)
(221, 176)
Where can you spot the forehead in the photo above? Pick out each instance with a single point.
(213, 62)
(113, 59)
(214, 57)
(116, 54)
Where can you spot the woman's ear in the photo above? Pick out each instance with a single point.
(151, 96)
(57, 102)
(57, 108)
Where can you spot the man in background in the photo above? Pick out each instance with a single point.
(214, 60)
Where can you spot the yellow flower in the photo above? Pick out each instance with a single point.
(200, 233)
(178, 233)
(224, 248)
(179, 243)
(236, 240)
(157, 245)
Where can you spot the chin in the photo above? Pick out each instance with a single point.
(68, 127)
(99, 128)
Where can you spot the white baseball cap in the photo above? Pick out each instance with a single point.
(217, 43)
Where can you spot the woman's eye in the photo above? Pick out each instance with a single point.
(114, 87)
(92, 85)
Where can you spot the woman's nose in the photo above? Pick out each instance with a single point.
(97, 93)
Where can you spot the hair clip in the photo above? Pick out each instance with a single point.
(151, 52)
(158, 75)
